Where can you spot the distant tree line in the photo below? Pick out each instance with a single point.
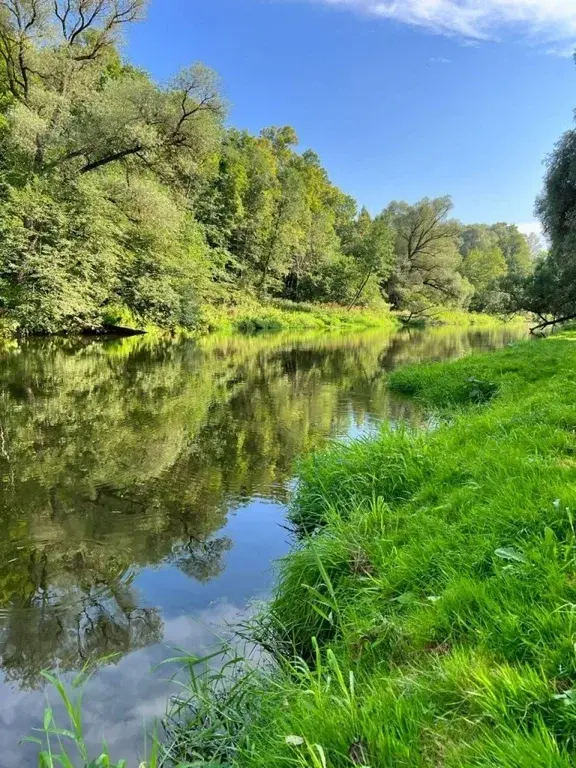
(122, 198)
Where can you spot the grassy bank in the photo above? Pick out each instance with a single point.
(430, 621)
(458, 318)
(251, 316)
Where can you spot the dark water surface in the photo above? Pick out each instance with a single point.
(142, 492)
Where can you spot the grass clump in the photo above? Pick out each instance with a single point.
(389, 467)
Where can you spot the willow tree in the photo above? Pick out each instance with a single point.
(426, 255)
(77, 107)
(484, 270)
(550, 292)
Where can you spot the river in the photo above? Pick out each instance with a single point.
(143, 494)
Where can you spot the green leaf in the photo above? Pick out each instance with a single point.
(31, 740)
(294, 741)
(511, 554)
(47, 718)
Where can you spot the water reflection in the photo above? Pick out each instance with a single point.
(142, 484)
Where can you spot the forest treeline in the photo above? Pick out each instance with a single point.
(124, 200)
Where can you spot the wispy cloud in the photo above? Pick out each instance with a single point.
(566, 51)
(540, 21)
(439, 60)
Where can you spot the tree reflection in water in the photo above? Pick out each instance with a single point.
(120, 455)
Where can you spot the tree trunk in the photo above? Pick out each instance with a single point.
(273, 241)
(547, 323)
(360, 290)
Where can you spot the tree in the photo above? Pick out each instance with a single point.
(372, 251)
(76, 106)
(426, 255)
(536, 244)
(286, 234)
(36, 35)
(484, 268)
(321, 245)
(515, 249)
(125, 119)
(550, 292)
(479, 237)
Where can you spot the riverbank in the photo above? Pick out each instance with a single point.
(250, 316)
(429, 620)
(245, 316)
(458, 318)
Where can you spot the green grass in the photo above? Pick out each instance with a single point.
(428, 616)
(251, 316)
(431, 619)
(459, 318)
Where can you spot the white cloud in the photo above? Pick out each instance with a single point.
(534, 228)
(439, 60)
(531, 228)
(543, 21)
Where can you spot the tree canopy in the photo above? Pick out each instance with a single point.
(550, 293)
(549, 290)
(127, 200)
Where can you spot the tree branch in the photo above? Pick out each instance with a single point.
(120, 155)
(556, 321)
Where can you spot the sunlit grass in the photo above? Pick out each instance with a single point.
(252, 316)
(436, 316)
(439, 582)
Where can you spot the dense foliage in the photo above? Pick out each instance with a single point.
(125, 201)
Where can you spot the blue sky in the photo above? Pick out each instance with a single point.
(400, 98)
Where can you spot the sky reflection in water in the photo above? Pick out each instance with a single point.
(143, 491)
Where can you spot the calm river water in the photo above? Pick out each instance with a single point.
(143, 489)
